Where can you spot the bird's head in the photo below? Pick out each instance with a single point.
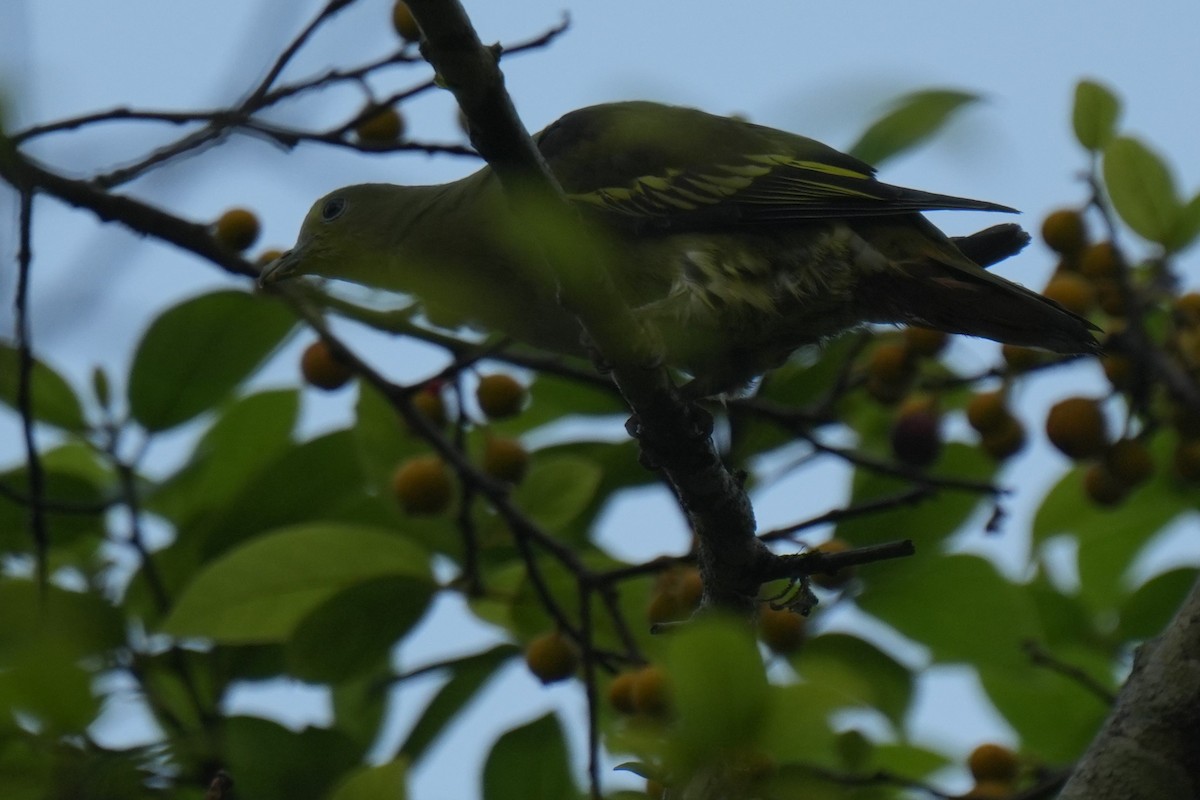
(340, 237)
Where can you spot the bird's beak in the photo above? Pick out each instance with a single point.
(280, 269)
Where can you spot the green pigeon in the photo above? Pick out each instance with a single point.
(733, 244)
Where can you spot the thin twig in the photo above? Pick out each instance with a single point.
(37, 487)
(906, 498)
(587, 656)
(1042, 657)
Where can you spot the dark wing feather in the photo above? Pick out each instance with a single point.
(672, 168)
(764, 188)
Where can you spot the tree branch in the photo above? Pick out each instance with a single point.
(1147, 750)
(674, 433)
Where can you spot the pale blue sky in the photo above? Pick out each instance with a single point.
(824, 69)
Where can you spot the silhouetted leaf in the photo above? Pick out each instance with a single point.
(194, 354)
(913, 118)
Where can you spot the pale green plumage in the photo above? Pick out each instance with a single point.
(735, 243)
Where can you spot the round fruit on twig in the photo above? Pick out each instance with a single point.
(552, 657)
(322, 369)
(423, 485)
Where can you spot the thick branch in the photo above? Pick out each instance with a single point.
(673, 433)
(1149, 749)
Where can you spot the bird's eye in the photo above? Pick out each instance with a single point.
(333, 208)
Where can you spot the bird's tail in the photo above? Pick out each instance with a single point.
(936, 287)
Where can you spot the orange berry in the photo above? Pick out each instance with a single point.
(926, 342)
(423, 485)
(1020, 358)
(1064, 231)
(405, 23)
(1129, 461)
(500, 396)
(429, 404)
(1099, 261)
(837, 579)
(236, 229)
(1118, 369)
(987, 411)
(1110, 298)
(1102, 487)
(1004, 441)
(916, 437)
(384, 126)
(620, 692)
(321, 368)
(676, 595)
(663, 607)
(267, 256)
(781, 629)
(690, 589)
(890, 369)
(505, 459)
(1076, 426)
(993, 762)
(1072, 292)
(651, 691)
(891, 362)
(551, 657)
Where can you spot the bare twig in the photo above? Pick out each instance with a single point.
(1044, 658)
(36, 511)
(909, 497)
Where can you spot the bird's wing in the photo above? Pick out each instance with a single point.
(666, 167)
(763, 188)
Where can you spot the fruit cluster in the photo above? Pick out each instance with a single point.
(423, 484)
(1095, 278)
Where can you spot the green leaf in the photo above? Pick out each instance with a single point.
(1109, 538)
(45, 681)
(85, 623)
(565, 396)
(958, 606)
(270, 762)
(260, 591)
(468, 674)
(1095, 115)
(857, 673)
(913, 118)
(1142, 189)
(557, 490)
(381, 439)
(54, 401)
(195, 354)
(796, 726)
(1187, 226)
(249, 433)
(1053, 714)
(314, 480)
(353, 631)
(529, 763)
(1148, 610)
(907, 759)
(718, 685)
(383, 782)
(64, 528)
(926, 522)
